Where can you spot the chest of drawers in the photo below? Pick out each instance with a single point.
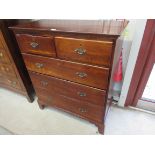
(70, 63)
(13, 73)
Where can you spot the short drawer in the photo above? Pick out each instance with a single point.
(86, 51)
(70, 89)
(3, 56)
(76, 72)
(76, 107)
(42, 45)
(7, 69)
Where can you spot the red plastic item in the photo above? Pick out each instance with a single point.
(118, 74)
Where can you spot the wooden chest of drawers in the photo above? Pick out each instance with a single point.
(13, 73)
(70, 63)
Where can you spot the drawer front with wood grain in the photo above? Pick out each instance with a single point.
(10, 81)
(76, 72)
(42, 45)
(7, 69)
(67, 88)
(80, 108)
(3, 56)
(1, 45)
(87, 51)
(1, 77)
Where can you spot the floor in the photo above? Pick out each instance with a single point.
(146, 105)
(4, 131)
(17, 116)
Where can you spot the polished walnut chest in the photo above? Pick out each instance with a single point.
(69, 62)
(13, 73)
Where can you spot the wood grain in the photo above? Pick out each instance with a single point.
(44, 44)
(69, 89)
(82, 64)
(95, 76)
(99, 27)
(81, 108)
(3, 56)
(10, 81)
(7, 70)
(86, 51)
(15, 76)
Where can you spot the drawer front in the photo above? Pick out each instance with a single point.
(3, 56)
(80, 73)
(1, 45)
(42, 45)
(78, 107)
(70, 89)
(12, 82)
(1, 77)
(86, 51)
(7, 70)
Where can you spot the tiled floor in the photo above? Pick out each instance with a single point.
(20, 117)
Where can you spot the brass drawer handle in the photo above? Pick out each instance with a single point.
(7, 69)
(81, 94)
(81, 74)
(13, 83)
(34, 44)
(39, 65)
(1, 54)
(80, 51)
(49, 100)
(82, 110)
(44, 83)
(2, 68)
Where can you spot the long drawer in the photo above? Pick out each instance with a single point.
(43, 45)
(70, 89)
(83, 50)
(76, 72)
(80, 108)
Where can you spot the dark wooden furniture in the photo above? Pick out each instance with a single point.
(69, 62)
(13, 73)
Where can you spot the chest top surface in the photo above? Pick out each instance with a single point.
(102, 27)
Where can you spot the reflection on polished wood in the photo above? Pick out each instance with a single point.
(107, 27)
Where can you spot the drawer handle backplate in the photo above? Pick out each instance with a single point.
(81, 74)
(39, 65)
(1, 54)
(44, 83)
(81, 94)
(34, 44)
(80, 51)
(7, 69)
(2, 68)
(82, 110)
(13, 83)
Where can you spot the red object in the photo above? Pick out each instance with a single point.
(118, 75)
